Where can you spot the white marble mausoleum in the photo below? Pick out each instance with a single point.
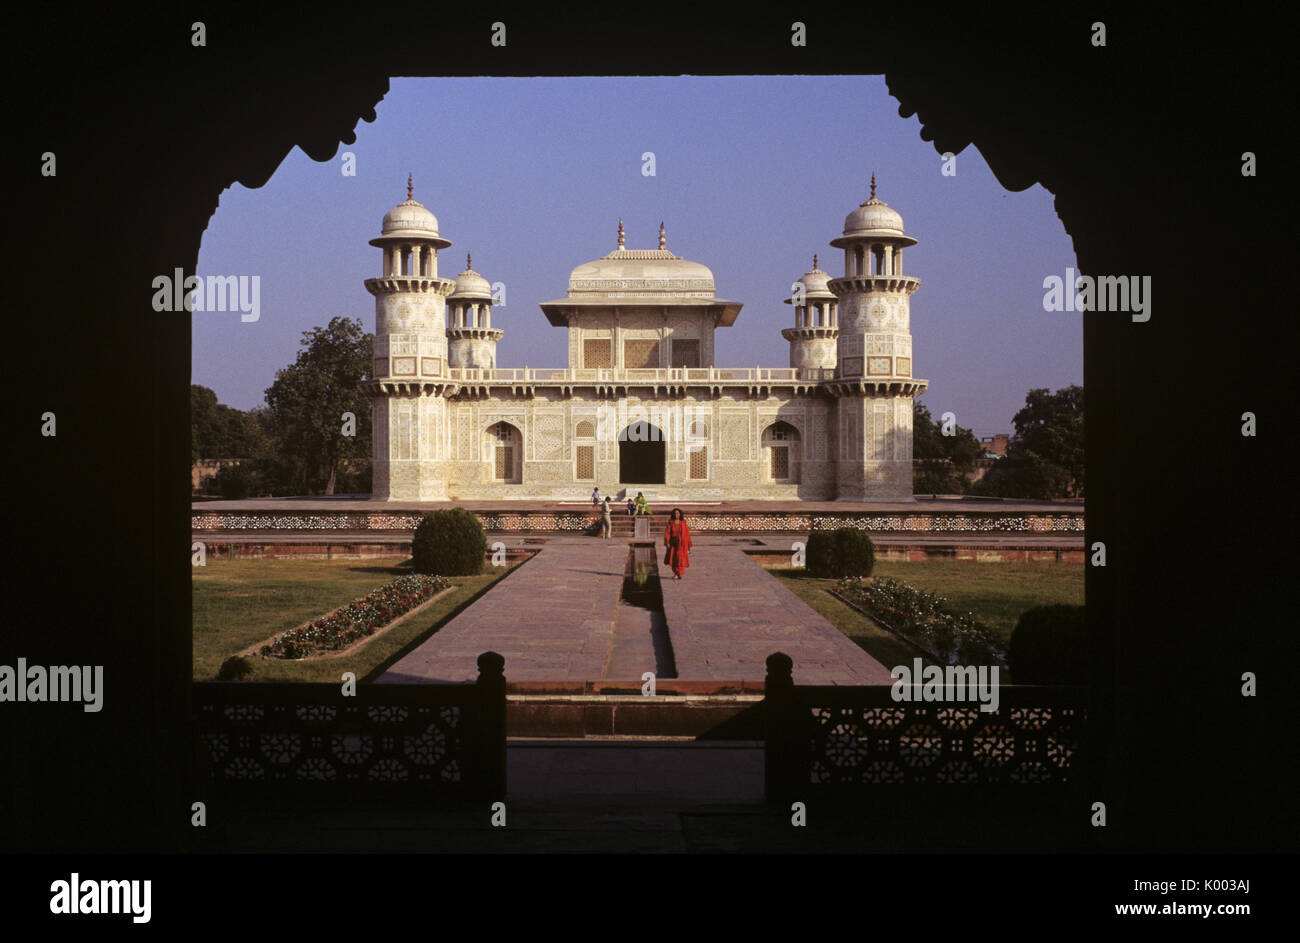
(641, 405)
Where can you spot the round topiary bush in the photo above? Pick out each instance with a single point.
(233, 481)
(1050, 646)
(856, 552)
(834, 554)
(449, 543)
(234, 668)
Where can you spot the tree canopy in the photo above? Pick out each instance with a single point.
(221, 431)
(1045, 455)
(308, 401)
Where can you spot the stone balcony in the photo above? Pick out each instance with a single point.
(647, 374)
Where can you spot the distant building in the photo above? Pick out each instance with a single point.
(641, 404)
(995, 446)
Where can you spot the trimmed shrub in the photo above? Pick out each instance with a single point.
(449, 543)
(834, 554)
(1050, 646)
(233, 481)
(234, 668)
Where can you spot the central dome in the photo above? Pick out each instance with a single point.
(641, 271)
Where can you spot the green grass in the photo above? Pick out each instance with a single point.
(997, 593)
(238, 603)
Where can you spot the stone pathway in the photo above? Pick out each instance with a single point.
(558, 618)
(551, 619)
(727, 614)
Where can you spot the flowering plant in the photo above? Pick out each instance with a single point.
(926, 619)
(358, 619)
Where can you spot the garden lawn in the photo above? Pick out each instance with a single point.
(241, 602)
(996, 593)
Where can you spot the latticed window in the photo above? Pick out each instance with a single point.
(699, 463)
(597, 353)
(642, 353)
(686, 353)
(585, 430)
(505, 462)
(586, 462)
(780, 463)
(699, 429)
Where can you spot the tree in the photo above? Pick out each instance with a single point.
(1049, 429)
(1045, 455)
(928, 441)
(944, 458)
(308, 401)
(221, 431)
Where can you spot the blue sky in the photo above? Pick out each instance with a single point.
(753, 175)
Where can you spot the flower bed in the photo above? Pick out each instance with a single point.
(356, 620)
(924, 618)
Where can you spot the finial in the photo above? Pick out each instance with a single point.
(663, 239)
(621, 242)
(814, 261)
(873, 185)
(469, 262)
(410, 188)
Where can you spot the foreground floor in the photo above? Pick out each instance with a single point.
(652, 797)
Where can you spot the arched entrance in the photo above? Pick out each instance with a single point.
(642, 457)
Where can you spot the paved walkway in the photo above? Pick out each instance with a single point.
(552, 619)
(727, 614)
(558, 618)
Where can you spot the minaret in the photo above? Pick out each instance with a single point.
(874, 358)
(812, 339)
(471, 338)
(409, 376)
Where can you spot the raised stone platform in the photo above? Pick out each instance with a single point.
(362, 519)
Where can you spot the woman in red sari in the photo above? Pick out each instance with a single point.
(677, 538)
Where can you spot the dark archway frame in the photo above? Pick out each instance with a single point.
(146, 148)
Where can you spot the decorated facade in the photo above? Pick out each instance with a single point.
(642, 405)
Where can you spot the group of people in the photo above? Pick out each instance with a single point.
(637, 505)
(677, 536)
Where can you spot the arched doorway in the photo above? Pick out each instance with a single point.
(503, 446)
(641, 454)
(781, 447)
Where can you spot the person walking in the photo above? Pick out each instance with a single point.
(677, 540)
(606, 521)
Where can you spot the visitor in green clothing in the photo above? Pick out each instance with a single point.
(642, 505)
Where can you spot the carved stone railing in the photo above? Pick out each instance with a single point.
(426, 740)
(832, 738)
(641, 374)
